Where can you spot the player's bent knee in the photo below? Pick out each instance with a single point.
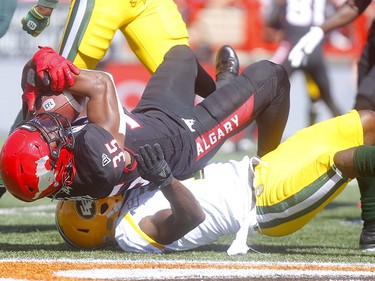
(368, 124)
(180, 51)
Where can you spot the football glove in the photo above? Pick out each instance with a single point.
(152, 165)
(59, 68)
(305, 45)
(34, 23)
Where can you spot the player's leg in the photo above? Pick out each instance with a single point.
(89, 30)
(152, 34)
(171, 87)
(299, 178)
(317, 69)
(364, 161)
(260, 93)
(365, 99)
(156, 29)
(271, 109)
(314, 94)
(367, 59)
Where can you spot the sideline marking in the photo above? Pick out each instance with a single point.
(67, 269)
(41, 209)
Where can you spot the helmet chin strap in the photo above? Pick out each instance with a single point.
(66, 180)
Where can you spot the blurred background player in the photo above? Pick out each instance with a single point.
(7, 8)
(295, 18)
(365, 98)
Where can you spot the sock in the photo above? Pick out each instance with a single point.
(367, 190)
(364, 160)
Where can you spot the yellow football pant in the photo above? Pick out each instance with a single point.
(151, 28)
(298, 179)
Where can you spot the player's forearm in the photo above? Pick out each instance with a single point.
(344, 15)
(187, 212)
(169, 225)
(45, 7)
(103, 107)
(348, 12)
(48, 3)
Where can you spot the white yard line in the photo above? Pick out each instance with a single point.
(179, 269)
(30, 210)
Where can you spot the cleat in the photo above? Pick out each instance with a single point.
(367, 238)
(227, 65)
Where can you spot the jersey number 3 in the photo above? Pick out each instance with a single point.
(113, 148)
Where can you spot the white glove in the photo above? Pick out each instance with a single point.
(305, 45)
(239, 244)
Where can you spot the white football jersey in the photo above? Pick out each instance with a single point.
(225, 195)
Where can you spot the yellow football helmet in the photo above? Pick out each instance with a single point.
(88, 224)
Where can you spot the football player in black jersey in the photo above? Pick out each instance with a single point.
(94, 157)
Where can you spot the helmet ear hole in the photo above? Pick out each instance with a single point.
(83, 230)
(103, 208)
(31, 189)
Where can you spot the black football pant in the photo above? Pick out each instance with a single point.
(260, 94)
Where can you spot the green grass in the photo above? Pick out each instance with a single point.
(332, 236)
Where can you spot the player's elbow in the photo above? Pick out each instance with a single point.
(102, 82)
(196, 217)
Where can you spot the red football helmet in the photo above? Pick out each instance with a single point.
(37, 158)
(88, 224)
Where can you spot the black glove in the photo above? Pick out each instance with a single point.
(152, 165)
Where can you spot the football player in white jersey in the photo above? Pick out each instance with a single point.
(275, 195)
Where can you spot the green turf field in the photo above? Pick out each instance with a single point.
(27, 230)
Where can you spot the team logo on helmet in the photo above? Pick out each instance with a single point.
(86, 209)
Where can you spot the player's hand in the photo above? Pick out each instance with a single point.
(34, 23)
(59, 68)
(305, 46)
(152, 165)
